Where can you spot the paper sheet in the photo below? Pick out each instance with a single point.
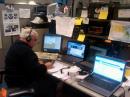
(81, 37)
(11, 22)
(84, 13)
(120, 31)
(24, 13)
(85, 20)
(57, 66)
(124, 13)
(64, 26)
(61, 76)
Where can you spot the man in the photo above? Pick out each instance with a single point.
(23, 68)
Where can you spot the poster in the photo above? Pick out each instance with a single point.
(120, 31)
(11, 22)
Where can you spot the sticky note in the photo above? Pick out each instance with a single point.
(103, 14)
(78, 21)
(81, 37)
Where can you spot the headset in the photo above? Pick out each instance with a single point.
(29, 37)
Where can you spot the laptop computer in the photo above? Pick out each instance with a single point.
(75, 52)
(106, 77)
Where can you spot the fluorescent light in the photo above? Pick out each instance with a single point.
(21, 3)
(32, 3)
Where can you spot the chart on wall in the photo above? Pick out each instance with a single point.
(120, 31)
(11, 22)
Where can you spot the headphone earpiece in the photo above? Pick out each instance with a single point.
(29, 37)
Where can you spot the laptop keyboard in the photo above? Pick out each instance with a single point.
(70, 59)
(85, 66)
(97, 81)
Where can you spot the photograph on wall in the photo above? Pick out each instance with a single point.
(11, 22)
(120, 31)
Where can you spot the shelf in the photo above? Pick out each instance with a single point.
(45, 25)
(99, 20)
(97, 36)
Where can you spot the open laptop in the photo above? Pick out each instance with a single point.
(106, 77)
(75, 52)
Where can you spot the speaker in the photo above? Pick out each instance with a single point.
(29, 37)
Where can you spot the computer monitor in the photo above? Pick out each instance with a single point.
(52, 43)
(93, 51)
(76, 49)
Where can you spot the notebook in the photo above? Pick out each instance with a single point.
(75, 52)
(106, 77)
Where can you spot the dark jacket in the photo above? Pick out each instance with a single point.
(22, 67)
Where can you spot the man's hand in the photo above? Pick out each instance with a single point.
(49, 65)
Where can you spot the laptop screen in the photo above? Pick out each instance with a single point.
(52, 43)
(76, 49)
(109, 67)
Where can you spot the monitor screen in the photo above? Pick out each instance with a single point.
(108, 67)
(76, 49)
(52, 43)
(93, 51)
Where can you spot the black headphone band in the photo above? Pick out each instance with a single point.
(29, 37)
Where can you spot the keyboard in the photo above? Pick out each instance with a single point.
(101, 83)
(85, 66)
(70, 59)
(46, 55)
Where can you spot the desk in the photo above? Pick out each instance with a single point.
(74, 83)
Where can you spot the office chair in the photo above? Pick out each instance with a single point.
(17, 92)
(14, 92)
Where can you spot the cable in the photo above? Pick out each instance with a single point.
(124, 91)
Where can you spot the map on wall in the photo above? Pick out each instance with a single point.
(120, 31)
(11, 22)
